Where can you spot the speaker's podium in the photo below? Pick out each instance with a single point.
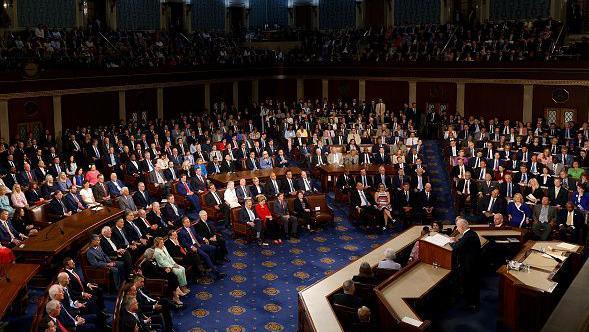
(400, 294)
(436, 250)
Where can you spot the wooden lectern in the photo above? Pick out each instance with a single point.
(431, 253)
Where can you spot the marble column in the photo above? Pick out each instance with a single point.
(122, 106)
(460, 89)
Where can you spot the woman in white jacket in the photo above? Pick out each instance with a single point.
(164, 260)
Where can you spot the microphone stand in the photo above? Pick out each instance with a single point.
(50, 229)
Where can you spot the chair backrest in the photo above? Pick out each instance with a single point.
(235, 215)
(345, 315)
(365, 291)
(116, 317)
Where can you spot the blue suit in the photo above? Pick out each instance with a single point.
(194, 200)
(112, 189)
(205, 251)
(5, 236)
(97, 257)
(582, 202)
(70, 202)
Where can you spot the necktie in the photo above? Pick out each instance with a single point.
(124, 237)
(509, 189)
(5, 224)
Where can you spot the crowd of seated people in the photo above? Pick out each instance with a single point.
(506, 41)
(158, 173)
(533, 174)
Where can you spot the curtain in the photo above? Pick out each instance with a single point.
(138, 14)
(53, 13)
(519, 9)
(417, 11)
(268, 12)
(337, 14)
(208, 14)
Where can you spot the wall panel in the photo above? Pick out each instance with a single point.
(443, 93)
(312, 89)
(245, 93)
(343, 89)
(30, 115)
(393, 93)
(138, 14)
(222, 92)
(53, 13)
(139, 101)
(504, 101)
(578, 98)
(90, 109)
(278, 89)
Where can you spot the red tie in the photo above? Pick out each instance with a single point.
(187, 189)
(30, 177)
(182, 250)
(78, 279)
(61, 327)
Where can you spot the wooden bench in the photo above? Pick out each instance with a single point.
(212, 213)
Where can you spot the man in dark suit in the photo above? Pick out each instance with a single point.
(288, 184)
(192, 242)
(188, 191)
(170, 173)
(131, 319)
(79, 289)
(381, 157)
(248, 216)
(345, 183)
(141, 197)
(558, 195)
(467, 249)
(570, 223)
(466, 191)
(171, 212)
(73, 201)
(156, 309)
(57, 206)
(9, 236)
(347, 298)
(426, 203)
(227, 166)
(272, 187)
(365, 206)
(117, 247)
(281, 210)
(365, 179)
(211, 236)
(492, 205)
(212, 198)
(98, 258)
(252, 162)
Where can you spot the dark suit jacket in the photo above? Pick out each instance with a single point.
(561, 199)
(128, 322)
(107, 248)
(424, 201)
(249, 164)
(378, 159)
(203, 231)
(578, 219)
(227, 167)
(270, 190)
(142, 201)
(467, 250)
(169, 215)
(57, 209)
(355, 199)
(210, 199)
(244, 216)
(347, 300)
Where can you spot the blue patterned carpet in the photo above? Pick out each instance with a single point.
(260, 290)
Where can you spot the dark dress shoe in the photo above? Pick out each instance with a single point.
(220, 275)
(226, 260)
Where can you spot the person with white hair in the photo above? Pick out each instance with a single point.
(467, 249)
(388, 263)
(53, 310)
(125, 201)
(68, 318)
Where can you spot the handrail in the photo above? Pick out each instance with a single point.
(449, 39)
(108, 42)
(556, 41)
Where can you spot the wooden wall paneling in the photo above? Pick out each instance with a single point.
(434, 92)
(504, 101)
(30, 115)
(312, 89)
(393, 93)
(343, 89)
(139, 101)
(245, 93)
(280, 89)
(183, 99)
(89, 109)
(578, 98)
(222, 91)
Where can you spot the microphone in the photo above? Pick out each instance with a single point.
(547, 254)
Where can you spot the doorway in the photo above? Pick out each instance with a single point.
(176, 22)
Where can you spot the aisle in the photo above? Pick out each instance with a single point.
(260, 290)
(440, 179)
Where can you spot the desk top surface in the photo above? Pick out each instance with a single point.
(542, 267)
(412, 283)
(50, 241)
(373, 168)
(248, 175)
(19, 274)
(315, 296)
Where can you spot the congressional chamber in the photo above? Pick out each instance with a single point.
(294, 165)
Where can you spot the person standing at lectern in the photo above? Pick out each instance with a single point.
(467, 249)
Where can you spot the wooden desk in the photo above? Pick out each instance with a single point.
(315, 311)
(49, 242)
(334, 171)
(20, 275)
(412, 282)
(528, 297)
(262, 174)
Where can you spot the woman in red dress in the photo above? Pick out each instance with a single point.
(267, 221)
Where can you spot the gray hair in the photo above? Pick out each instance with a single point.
(53, 290)
(51, 306)
(149, 252)
(61, 276)
(390, 254)
(460, 220)
(104, 230)
(202, 213)
(348, 287)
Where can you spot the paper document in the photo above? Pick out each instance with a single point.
(438, 239)
(411, 321)
(562, 258)
(567, 247)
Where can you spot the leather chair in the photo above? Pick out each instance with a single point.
(38, 215)
(213, 213)
(156, 287)
(240, 229)
(324, 215)
(97, 275)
